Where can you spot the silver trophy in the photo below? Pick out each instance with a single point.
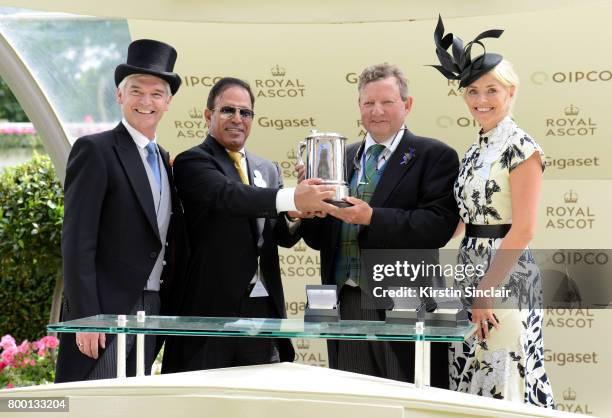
(325, 160)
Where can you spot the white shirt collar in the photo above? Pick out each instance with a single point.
(389, 143)
(241, 151)
(141, 140)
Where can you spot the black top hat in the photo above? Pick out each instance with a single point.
(460, 65)
(146, 56)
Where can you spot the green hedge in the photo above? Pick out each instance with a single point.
(31, 213)
(20, 141)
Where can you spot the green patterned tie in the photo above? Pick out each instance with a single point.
(348, 256)
(371, 166)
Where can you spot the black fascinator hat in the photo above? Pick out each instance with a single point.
(459, 65)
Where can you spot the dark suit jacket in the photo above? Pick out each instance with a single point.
(413, 204)
(222, 217)
(110, 238)
(413, 208)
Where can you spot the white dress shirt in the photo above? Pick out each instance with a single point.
(390, 145)
(161, 200)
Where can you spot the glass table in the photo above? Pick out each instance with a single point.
(142, 325)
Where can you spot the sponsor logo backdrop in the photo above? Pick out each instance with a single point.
(304, 77)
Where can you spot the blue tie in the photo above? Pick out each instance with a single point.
(153, 162)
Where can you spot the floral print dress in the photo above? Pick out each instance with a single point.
(510, 363)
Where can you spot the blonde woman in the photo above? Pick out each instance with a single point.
(497, 191)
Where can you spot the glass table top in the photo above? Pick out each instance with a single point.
(263, 327)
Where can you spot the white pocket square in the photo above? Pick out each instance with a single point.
(258, 179)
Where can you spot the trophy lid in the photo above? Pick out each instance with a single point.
(316, 134)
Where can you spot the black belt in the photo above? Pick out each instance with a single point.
(487, 231)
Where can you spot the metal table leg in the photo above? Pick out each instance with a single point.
(140, 347)
(426, 363)
(419, 349)
(121, 322)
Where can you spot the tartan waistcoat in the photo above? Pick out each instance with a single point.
(347, 263)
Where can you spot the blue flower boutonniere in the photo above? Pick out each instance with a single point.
(408, 156)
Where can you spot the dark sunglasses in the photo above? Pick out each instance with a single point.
(227, 112)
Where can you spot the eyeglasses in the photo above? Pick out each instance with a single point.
(227, 112)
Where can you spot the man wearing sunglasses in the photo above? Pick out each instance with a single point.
(232, 200)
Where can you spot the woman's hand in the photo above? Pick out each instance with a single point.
(483, 317)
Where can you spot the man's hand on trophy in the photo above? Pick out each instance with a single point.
(359, 214)
(305, 215)
(310, 196)
(301, 170)
(295, 215)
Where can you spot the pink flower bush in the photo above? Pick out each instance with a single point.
(24, 347)
(8, 355)
(27, 363)
(49, 341)
(7, 341)
(44, 343)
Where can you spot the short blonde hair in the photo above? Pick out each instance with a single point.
(505, 74)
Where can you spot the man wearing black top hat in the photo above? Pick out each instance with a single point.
(121, 218)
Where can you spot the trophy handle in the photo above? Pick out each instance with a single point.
(301, 147)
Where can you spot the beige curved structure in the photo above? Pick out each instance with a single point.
(269, 391)
(292, 11)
